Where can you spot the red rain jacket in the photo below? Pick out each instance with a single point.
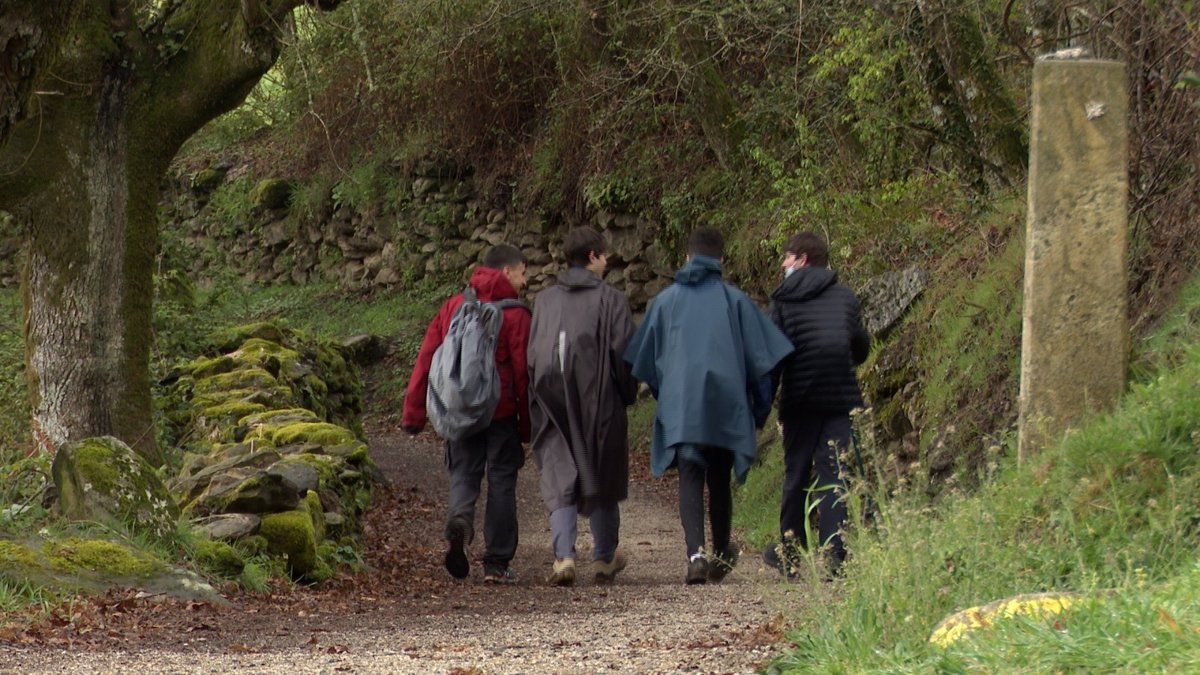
(490, 286)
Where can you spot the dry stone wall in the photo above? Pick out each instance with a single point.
(437, 223)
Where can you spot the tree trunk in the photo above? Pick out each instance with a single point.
(88, 281)
(30, 33)
(83, 177)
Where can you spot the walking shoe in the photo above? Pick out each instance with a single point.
(697, 570)
(770, 556)
(783, 557)
(499, 575)
(722, 565)
(563, 574)
(456, 554)
(606, 572)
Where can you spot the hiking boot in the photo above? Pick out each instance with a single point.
(606, 572)
(504, 576)
(722, 565)
(563, 574)
(456, 554)
(697, 570)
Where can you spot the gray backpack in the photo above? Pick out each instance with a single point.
(464, 385)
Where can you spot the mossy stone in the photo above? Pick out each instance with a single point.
(207, 180)
(102, 479)
(279, 417)
(327, 467)
(229, 339)
(207, 367)
(260, 493)
(105, 558)
(17, 558)
(312, 503)
(291, 534)
(271, 193)
(246, 378)
(258, 352)
(231, 411)
(253, 545)
(219, 558)
(323, 433)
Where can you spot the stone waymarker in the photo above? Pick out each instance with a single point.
(1075, 330)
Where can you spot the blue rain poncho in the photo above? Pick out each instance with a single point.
(707, 352)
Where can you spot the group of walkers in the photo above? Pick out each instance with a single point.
(563, 374)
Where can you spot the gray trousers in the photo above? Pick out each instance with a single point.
(497, 452)
(605, 522)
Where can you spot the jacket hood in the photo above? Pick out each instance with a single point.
(699, 268)
(578, 277)
(491, 285)
(805, 283)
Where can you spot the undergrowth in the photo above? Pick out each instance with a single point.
(1109, 512)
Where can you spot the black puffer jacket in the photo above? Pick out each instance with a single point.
(821, 318)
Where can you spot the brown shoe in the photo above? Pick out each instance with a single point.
(564, 573)
(606, 572)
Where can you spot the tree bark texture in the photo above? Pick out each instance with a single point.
(83, 175)
(30, 34)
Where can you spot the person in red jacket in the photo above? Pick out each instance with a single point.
(496, 450)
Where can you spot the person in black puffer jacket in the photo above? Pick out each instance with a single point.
(818, 389)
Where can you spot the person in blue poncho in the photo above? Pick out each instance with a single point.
(707, 353)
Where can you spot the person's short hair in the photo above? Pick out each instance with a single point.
(503, 255)
(581, 241)
(706, 241)
(812, 245)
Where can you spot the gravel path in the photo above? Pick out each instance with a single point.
(649, 621)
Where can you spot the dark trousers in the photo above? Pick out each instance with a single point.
(812, 475)
(715, 470)
(497, 452)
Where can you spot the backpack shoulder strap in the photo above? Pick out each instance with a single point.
(509, 303)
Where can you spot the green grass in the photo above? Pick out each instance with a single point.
(1110, 512)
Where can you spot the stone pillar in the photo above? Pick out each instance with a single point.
(1075, 331)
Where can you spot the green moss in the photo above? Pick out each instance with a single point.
(15, 557)
(105, 558)
(327, 467)
(233, 410)
(258, 350)
(360, 455)
(269, 397)
(219, 558)
(95, 463)
(312, 504)
(253, 545)
(247, 378)
(206, 367)
(279, 417)
(321, 433)
(229, 339)
(102, 479)
(291, 534)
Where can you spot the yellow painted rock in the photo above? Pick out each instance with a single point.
(1034, 605)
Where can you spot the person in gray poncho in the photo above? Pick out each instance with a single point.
(579, 388)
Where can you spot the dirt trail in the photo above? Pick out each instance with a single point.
(407, 615)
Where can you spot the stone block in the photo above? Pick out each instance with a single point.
(1075, 329)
